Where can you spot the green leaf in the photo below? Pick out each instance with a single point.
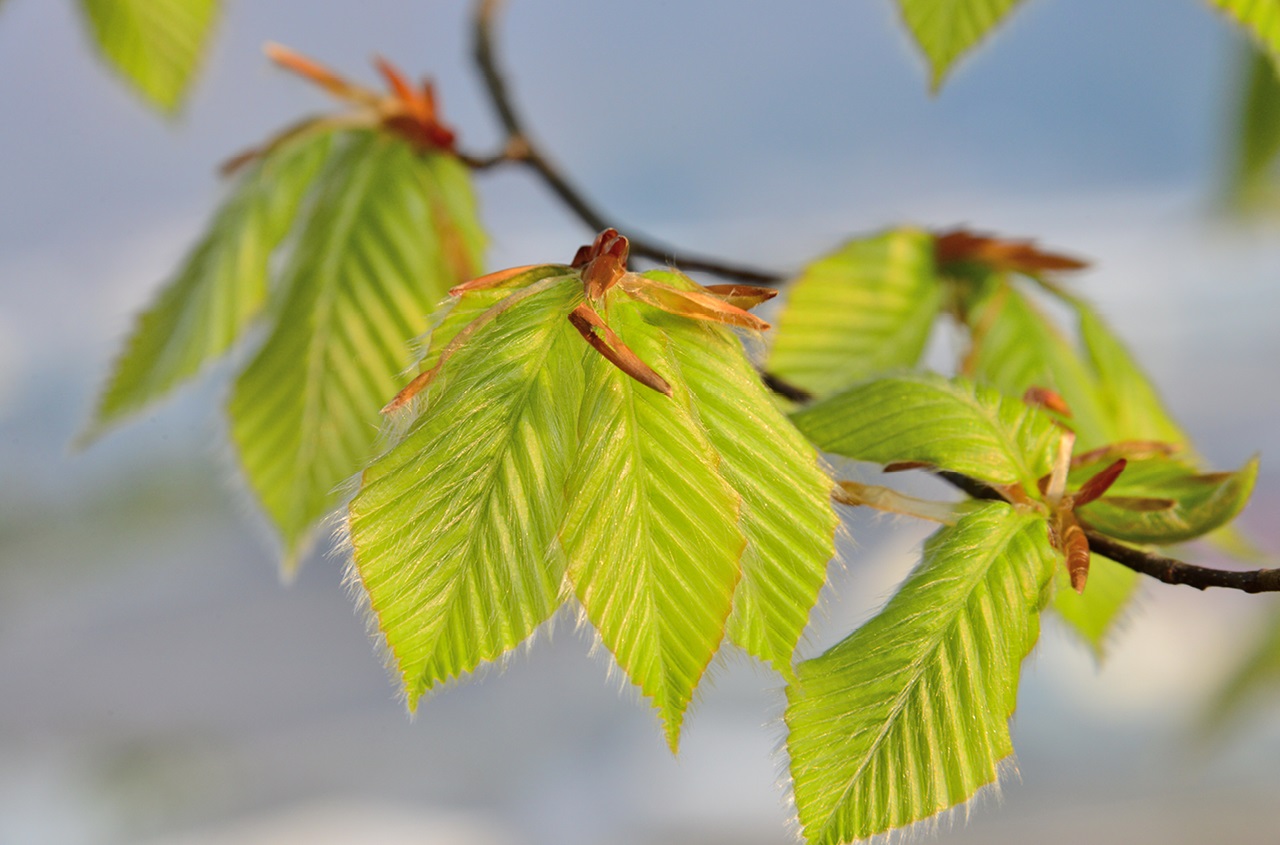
(1255, 138)
(1131, 406)
(652, 530)
(454, 529)
(220, 288)
(1016, 347)
(909, 715)
(1094, 613)
(950, 425)
(155, 44)
(367, 269)
(1259, 18)
(1197, 503)
(946, 29)
(787, 515)
(862, 310)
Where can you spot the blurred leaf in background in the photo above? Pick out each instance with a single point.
(156, 45)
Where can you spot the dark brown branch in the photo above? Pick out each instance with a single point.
(784, 388)
(1162, 568)
(1172, 571)
(520, 149)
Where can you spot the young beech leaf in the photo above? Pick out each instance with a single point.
(909, 714)
(860, 311)
(533, 458)
(1093, 614)
(220, 288)
(454, 529)
(651, 532)
(946, 29)
(787, 515)
(1161, 501)
(1260, 18)
(1016, 347)
(926, 419)
(155, 44)
(388, 234)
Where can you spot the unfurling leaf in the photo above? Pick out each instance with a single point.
(908, 716)
(946, 29)
(155, 44)
(948, 425)
(662, 511)
(390, 231)
(218, 291)
(862, 310)
(1162, 501)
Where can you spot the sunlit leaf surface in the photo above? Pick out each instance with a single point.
(863, 309)
(909, 715)
(454, 529)
(786, 498)
(652, 530)
(924, 418)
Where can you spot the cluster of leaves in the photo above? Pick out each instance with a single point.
(579, 434)
(374, 226)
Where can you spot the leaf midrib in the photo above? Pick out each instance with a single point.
(1012, 525)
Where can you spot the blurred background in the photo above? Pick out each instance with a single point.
(159, 685)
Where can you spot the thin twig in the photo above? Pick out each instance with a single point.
(1172, 571)
(1162, 568)
(486, 12)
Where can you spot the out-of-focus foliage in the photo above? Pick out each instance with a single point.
(947, 29)
(1254, 142)
(157, 45)
(374, 233)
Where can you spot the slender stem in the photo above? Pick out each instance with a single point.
(1162, 568)
(521, 149)
(1172, 571)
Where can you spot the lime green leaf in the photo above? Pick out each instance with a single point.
(219, 289)
(1196, 503)
(1094, 613)
(367, 269)
(1130, 403)
(1255, 141)
(1260, 18)
(155, 44)
(1249, 683)
(952, 425)
(946, 29)
(862, 310)
(454, 529)
(652, 531)
(909, 715)
(1016, 347)
(787, 515)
